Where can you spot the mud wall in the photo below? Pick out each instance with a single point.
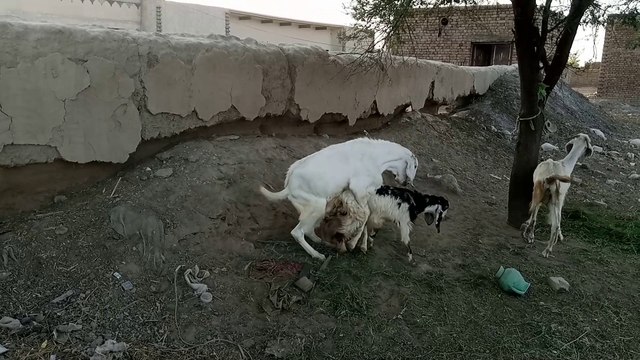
(84, 95)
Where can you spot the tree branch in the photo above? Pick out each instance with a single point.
(563, 48)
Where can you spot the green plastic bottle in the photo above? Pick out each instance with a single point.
(511, 280)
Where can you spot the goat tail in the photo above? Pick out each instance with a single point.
(553, 178)
(277, 196)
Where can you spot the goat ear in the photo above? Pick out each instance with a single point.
(429, 218)
(568, 147)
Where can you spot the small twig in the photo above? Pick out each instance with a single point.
(574, 340)
(48, 214)
(115, 187)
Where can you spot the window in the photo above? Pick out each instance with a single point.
(486, 54)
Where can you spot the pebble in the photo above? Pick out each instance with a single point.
(630, 156)
(576, 180)
(164, 156)
(228, 137)
(59, 198)
(61, 230)
(634, 176)
(558, 283)
(598, 133)
(635, 142)
(598, 149)
(193, 158)
(548, 147)
(164, 173)
(612, 182)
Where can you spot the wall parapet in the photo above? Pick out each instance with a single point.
(93, 95)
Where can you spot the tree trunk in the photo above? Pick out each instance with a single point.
(528, 145)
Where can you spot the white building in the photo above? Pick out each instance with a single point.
(177, 18)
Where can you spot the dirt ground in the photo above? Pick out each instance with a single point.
(447, 305)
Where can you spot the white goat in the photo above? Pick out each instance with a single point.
(551, 182)
(355, 164)
(360, 223)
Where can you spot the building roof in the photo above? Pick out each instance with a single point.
(282, 19)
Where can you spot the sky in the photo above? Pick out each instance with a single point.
(333, 12)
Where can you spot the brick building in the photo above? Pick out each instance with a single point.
(620, 69)
(477, 36)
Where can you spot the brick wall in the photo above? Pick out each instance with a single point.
(587, 76)
(620, 72)
(425, 38)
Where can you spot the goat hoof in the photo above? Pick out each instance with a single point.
(546, 253)
(320, 257)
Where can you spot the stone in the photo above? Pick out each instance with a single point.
(613, 153)
(227, 137)
(558, 283)
(164, 173)
(164, 156)
(598, 133)
(449, 182)
(304, 284)
(598, 149)
(630, 156)
(193, 158)
(635, 143)
(61, 230)
(634, 176)
(548, 147)
(576, 180)
(612, 182)
(59, 199)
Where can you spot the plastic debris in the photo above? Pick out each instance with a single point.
(193, 277)
(10, 323)
(109, 348)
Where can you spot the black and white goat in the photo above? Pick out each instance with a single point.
(353, 223)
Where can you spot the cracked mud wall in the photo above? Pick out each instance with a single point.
(85, 95)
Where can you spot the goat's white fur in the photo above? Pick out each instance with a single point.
(551, 182)
(356, 165)
(367, 220)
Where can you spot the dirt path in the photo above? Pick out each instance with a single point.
(446, 306)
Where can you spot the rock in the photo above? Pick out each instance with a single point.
(630, 156)
(61, 230)
(59, 199)
(110, 346)
(68, 328)
(548, 147)
(164, 173)
(228, 137)
(493, 128)
(598, 133)
(557, 283)
(193, 158)
(206, 297)
(449, 182)
(613, 153)
(304, 284)
(634, 177)
(3, 350)
(444, 109)
(598, 149)
(612, 182)
(63, 297)
(576, 180)
(164, 156)
(635, 143)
